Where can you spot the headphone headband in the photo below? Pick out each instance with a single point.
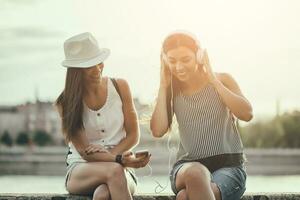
(189, 34)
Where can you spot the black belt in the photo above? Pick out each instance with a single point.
(214, 163)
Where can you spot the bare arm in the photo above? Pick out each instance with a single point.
(81, 143)
(159, 123)
(229, 91)
(232, 96)
(159, 120)
(130, 120)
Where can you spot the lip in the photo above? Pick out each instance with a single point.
(181, 73)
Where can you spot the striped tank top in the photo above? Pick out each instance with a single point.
(206, 126)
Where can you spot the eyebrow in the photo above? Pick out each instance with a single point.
(184, 57)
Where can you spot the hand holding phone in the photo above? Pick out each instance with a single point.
(142, 153)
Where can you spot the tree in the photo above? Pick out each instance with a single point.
(291, 125)
(42, 138)
(6, 138)
(283, 131)
(23, 138)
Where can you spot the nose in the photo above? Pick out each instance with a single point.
(179, 66)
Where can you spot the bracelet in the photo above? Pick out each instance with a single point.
(119, 159)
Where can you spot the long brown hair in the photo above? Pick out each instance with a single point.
(70, 103)
(171, 42)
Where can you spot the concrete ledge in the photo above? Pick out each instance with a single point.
(248, 196)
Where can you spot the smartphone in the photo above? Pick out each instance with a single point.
(141, 153)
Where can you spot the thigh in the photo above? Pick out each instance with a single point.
(101, 192)
(231, 182)
(173, 176)
(181, 188)
(86, 177)
(183, 170)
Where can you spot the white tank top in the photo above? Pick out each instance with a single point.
(104, 126)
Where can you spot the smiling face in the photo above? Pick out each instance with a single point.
(180, 51)
(93, 74)
(182, 62)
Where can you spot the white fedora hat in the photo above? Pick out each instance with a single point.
(82, 51)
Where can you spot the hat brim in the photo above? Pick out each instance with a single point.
(86, 63)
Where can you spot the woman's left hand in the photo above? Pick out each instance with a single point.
(93, 148)
(207, 68)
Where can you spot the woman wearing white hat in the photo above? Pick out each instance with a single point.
(210, 158)
(99, 123)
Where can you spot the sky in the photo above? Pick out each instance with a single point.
(257, 42)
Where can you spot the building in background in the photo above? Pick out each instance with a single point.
(31, 117)
(43, 116)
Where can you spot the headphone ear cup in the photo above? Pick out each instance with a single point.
(199, 56)
(165, 58)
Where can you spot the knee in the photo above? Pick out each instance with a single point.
(182, 195)
(196, 171)
(101, 193)
(116, 171)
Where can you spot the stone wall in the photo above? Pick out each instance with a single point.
(262, 196)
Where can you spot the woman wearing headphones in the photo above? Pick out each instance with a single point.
(99, 123)
(210, 159)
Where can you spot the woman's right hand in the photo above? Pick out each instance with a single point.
(129, 160)
(165, 73)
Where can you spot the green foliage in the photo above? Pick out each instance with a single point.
(291, 125)
(23, 138)
(41, 138)
(6, 138)
(281, 132)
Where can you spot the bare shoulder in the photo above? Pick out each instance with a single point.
(223, 76)
(124, 88)
(122, 84)
(228, 81)
(226, 78)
